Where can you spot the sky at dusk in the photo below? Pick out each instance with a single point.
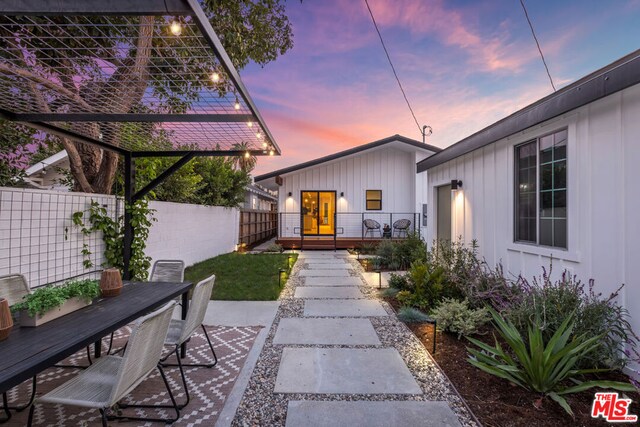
(463, 64)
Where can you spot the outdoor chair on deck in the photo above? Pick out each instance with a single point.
(181, 330)
(371, 226)
(111, 377)
(13, 287)
(401, 226)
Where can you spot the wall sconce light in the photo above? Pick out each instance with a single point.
(342, 194)
(290, 194)
(455, 184)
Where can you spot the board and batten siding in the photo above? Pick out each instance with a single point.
(385, 168)
(603, 174)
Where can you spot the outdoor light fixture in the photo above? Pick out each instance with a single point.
(342, 194)
(271, 152)
(290, 194)
(175, 28)
(455, 184)
(265, 145)
(379, 271)
(236, 105)
(250, 124)
(215, 77)
(246, 155)
(282, 270)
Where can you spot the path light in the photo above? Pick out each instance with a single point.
(175, 28)
(215, 77)
(282, 270)
(379, 271)
(358, 254)
(289, 260)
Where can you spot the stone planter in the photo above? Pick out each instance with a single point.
(69, 306)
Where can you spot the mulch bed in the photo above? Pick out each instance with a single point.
(494, 401)
(208, 388)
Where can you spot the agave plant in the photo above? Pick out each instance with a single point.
(549, 369)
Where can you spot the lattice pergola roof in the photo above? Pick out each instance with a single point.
(117, 74)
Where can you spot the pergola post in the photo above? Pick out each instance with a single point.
(129, 189)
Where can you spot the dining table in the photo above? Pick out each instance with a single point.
(30, 350)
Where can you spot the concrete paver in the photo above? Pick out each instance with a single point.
(328, 292)
(344, 370)
(326, 332)
(343, 308)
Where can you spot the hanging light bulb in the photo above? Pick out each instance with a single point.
(236, 105)
(246, 155)
(215, 77)
(258, 135)
(250, 124)
(271, 152)
(175, 28)
(265, 145)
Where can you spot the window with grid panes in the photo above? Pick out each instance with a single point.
(541, 191)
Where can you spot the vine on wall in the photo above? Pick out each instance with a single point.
(113, 236)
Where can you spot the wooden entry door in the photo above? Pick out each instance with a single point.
(318, 213)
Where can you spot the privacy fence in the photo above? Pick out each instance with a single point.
(38, 237)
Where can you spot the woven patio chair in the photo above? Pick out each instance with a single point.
(371, 226)
(111, 378)
(181, 330)
(165, 270)
(401, 226)
(14, 287)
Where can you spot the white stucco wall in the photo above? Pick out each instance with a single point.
(603, 198)
(192, 233)
(390, 168)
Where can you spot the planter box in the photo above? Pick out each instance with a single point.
(69, 306)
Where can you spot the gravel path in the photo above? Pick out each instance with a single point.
(260, 406)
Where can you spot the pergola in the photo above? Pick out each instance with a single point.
(141, 78)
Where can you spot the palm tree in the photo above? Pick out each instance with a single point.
(246, 162)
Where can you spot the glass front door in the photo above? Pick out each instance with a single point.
(318, 212)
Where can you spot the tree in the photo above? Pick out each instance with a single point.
(250, 30)
(247, 162)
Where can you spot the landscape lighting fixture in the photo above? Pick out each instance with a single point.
(175, 28)
(455, 184)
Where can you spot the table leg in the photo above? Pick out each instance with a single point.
(185, 308)
(97, 351)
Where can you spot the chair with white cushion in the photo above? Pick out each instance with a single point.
(112, 377)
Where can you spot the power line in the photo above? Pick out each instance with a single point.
(526, 14)
(392, 67)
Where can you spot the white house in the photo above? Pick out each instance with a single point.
(557, 180)
(325, 201)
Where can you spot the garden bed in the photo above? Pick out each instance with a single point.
(495, 402)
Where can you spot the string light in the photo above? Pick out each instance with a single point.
(215, 77)
(236, 105)
(250, 124)
(246, 155)
(258, 135)
(271, 152)
(265, 145)
(175, 28)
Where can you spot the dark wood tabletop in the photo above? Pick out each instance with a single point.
(29, 351)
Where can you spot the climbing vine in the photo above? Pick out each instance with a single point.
(113, 236)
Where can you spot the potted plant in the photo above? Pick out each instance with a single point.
(50, 302)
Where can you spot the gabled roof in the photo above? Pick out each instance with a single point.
(619, 75)
(354, 150)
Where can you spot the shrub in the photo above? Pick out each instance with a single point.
(552, 301)
(411, 315)
(390, 292)
(539, 367)
(398, 281)
(274, 247)
(457, 317)
(386, 255)
(424, 287)
(486, 286)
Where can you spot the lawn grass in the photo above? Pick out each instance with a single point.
(243, 277)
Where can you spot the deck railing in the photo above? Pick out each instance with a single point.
(347, 225)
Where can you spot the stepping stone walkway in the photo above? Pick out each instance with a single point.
(336, 358)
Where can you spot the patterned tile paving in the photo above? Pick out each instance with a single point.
(208, 387)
